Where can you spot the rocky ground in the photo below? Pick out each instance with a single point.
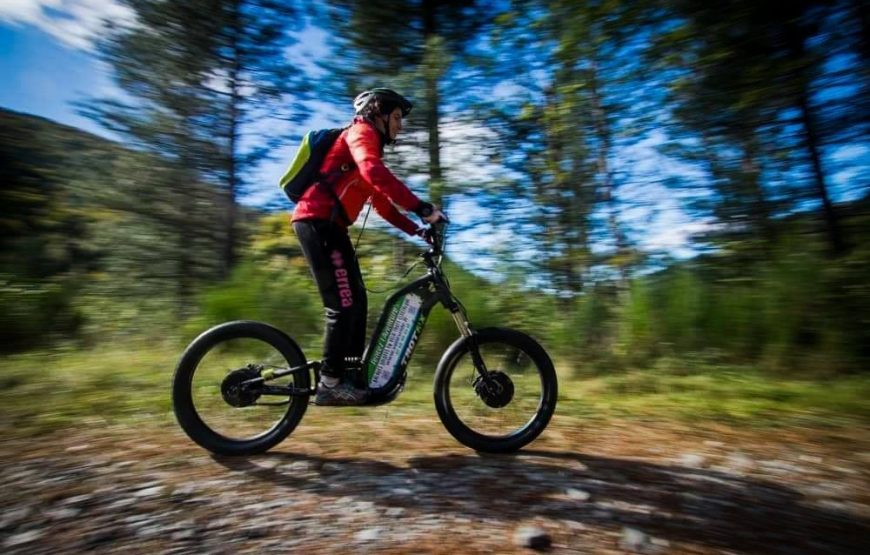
(398, 483)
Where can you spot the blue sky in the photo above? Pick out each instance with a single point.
(43, 76)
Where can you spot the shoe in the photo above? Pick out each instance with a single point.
(342, 395)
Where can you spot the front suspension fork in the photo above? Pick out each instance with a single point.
(474, 349)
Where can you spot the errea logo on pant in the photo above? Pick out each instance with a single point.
(341, 279)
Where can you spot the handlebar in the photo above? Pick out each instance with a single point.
(435, 236)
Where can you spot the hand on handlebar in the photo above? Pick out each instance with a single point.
(436, 216)
(424, 233)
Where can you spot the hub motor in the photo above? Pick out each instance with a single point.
(498, 392)
(236, 394)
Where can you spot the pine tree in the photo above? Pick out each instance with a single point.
(199, 76)
(561, 126)
(749, 73)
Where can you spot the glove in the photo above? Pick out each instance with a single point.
(424, 210)
(423, 233)
(430, 213)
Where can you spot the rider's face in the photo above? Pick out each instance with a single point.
(395, 123)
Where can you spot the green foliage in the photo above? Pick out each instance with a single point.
(790, 313)
(271, 284)
(281, 296)
(636, 340)
(93, 249)
(35, 313)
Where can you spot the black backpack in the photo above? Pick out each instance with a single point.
(304, 170)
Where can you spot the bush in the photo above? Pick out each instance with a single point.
(278, 294)
(34, 313)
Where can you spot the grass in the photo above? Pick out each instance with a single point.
(736, 395)
(60, 389)
(50, 390)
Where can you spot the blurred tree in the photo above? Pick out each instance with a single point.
(41, 236)
(90, 233)
(407, 45)
(42, 224)
(754, 85)
(198, 77)
(564, 108)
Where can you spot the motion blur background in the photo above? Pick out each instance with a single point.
(672, 196)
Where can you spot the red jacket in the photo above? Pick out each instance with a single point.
(359, 149)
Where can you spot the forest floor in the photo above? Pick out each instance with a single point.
(392, 480)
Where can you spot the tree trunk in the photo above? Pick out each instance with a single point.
(565, 203)
(430, 35)
(760, 207)
(832, 223)
(229, 254)
(432, 117)
(862, 11)
(796, 38)
(602, 131)
(184, 267)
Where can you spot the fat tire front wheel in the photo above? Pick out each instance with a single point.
(496, 424)
(199, 402)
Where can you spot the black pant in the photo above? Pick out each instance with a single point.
(330, 255)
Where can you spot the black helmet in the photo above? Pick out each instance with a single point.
(388, 99)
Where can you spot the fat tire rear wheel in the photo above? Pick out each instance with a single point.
(460, 421)
(183, 396)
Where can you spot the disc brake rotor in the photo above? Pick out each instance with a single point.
(235, 393)
(496, 392)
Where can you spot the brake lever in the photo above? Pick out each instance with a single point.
(436, 232)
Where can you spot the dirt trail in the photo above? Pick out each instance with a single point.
(400, 484)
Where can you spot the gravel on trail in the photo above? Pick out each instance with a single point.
(350, 483)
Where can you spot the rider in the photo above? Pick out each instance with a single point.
(354, 168)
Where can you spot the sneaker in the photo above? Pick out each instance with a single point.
(343, 394)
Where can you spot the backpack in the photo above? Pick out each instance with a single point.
(304, 170)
